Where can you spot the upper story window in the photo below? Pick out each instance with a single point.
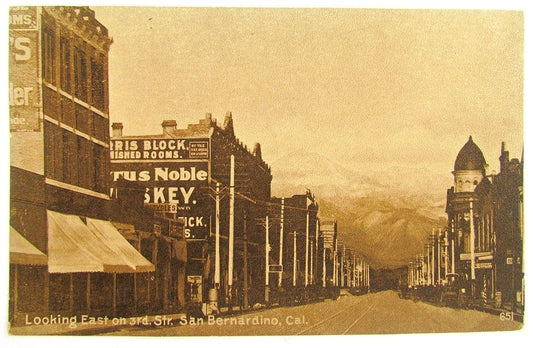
(97, 82)
(48, 42)
(80, 74)
(64, 51)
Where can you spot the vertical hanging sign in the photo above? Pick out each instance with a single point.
(24, 88)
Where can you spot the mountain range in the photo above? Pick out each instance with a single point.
(384, 215)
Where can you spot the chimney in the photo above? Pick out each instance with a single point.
(228, 124)
(504, 158)
(117, 129)
(257, 150)
(169, 126)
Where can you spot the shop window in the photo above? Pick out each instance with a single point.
(30, 285)
(125, 296)
(79, 282)
(102, 290)
(59, 292)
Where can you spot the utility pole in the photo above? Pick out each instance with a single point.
(433, 256)
(438, 257)
(294, 254)
(353, 270)
(452, 247)
(306, 278)
(280, 274)
(231, 231)
(317, 232)
(217, 237)
(245, 267)
(446, 244)
(267, 254)
(472, 244)
(323, 263)
(311, 258)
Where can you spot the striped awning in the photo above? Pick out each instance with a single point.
(74, 246)
(22, 252)
(109, 235)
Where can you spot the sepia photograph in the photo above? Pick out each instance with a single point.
(199, 171)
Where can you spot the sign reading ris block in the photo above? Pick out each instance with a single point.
(159, 149)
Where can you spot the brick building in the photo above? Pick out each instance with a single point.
(484, 238)
(65, 256)
(301, 231)
(184, 173)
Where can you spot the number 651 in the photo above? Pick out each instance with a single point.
(506, 316)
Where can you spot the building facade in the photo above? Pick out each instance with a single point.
(206, 178)
(301, 250)
(484, 236)
(59, 201)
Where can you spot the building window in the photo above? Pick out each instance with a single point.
(82, 119)
(67, 112)
(80, 74)
(97, 82)
(48, 42)
(100, 168)
(50, 150)
(65, 64)
(66, 157)
(100, 128)
(70, 158)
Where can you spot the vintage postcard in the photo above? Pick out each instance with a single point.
(232, 171)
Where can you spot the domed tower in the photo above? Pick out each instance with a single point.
(469, 167)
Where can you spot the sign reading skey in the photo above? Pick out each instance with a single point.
(174, 173)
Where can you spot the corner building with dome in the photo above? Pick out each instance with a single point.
(485, 228)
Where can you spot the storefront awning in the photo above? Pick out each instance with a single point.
(75, 247)
(22, 252)
(109, 235)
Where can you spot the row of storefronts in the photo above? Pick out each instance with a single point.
(481, 248)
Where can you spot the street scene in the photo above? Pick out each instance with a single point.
(377, 313)
(368, 178)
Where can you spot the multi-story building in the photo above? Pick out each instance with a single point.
(499, 230)
(206, 178)
(67, 257)
(301, 231)
(329, 234)
(469, 171)
(484, 238)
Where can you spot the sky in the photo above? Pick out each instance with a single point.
(363, 87)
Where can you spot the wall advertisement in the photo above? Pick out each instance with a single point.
(24, 87)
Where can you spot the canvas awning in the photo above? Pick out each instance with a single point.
(22, 252)
(109, 235)
(75, 247)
